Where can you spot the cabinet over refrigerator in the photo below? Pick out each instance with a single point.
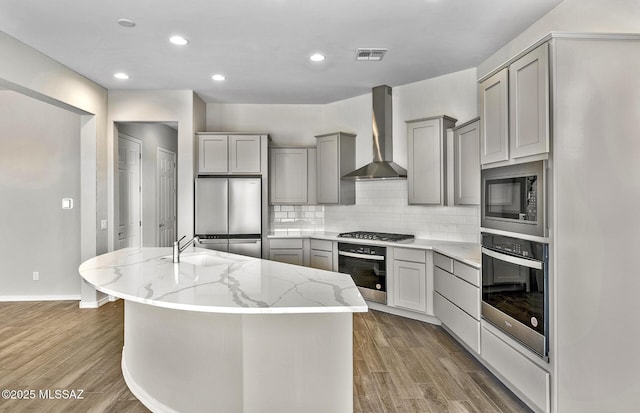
(228, 214)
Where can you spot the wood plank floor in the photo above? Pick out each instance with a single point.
(400, 365)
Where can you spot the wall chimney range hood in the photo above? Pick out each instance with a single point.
(382, 166)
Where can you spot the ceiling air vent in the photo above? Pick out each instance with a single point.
(372, 54)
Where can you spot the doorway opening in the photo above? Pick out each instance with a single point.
(155, 198)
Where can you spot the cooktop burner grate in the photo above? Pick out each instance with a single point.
(377, 236)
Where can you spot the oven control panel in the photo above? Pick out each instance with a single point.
(361, 249)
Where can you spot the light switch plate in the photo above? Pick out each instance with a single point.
(67, 203)
(103, 224)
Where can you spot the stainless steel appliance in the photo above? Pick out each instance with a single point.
(513, 198)
(515, 293)
(228, 214)
(377, 236)
(367, 266)
(382, 166)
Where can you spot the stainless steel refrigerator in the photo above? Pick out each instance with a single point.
(228, 214)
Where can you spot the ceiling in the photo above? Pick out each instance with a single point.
(263, 46)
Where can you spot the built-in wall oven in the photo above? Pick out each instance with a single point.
(513, 198)
(515, 289)
(367, 266)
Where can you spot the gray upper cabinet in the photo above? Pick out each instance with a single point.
(514, 108)
(213, 154)
(494, 115)
(289, 175)
(427, 155)
(335, 157)
(529, 104)
(220, 154)
(466, 163)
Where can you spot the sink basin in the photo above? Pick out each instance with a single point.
(203, 260)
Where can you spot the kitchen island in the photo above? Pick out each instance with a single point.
(228, 333)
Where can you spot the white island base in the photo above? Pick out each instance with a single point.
(189, 361)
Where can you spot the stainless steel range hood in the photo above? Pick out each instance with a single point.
(382, 166)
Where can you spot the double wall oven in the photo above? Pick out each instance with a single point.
(367, 263)
(515, 253)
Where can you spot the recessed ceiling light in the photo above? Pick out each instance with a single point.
(126, 23)
(317, 57)
(218, 77)
(121, 76)
(178, 40)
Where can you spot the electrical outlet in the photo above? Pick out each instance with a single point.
(36, 276)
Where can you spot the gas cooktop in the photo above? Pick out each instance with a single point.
(377, 236)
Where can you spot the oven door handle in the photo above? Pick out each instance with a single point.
(513, 260)
(363, 256)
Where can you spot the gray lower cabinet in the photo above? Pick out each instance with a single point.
(289, 250)
(321, 254)
(427, 159)
(457, 298)
(410, 279)
(335, 157)
(289, 170)
(466, 163)
(220, 153)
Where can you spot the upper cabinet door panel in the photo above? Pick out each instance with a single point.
(288, 175)
(529, 103)
(244, 154)
(213, 156)
(425, 168)
(327, 164)
(494, 95)
(466, 164)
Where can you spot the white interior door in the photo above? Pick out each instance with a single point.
(166, 203)
(129, 193)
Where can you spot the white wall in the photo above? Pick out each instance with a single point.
(153, 136)
(39, 165)
(593, 16)
(28, 71)
(286, 124)
(158, 106)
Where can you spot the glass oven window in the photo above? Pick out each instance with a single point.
(365, 273)
(515, 290)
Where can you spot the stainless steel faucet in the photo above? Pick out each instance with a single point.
(177, 249)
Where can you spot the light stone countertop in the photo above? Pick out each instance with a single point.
(217, 282)
(468, 253)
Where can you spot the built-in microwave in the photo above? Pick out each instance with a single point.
(513, 198)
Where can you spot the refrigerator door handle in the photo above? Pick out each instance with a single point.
(244, 241)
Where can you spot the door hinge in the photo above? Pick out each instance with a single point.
(140, 155)
(140, 223)
(140, 188)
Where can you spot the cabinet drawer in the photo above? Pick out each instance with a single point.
(287, 256)
(285, 243)
(460, 323)
(467, 273)
(443, 262)
(522, 373)
(459, 292)
(408, 254)
(322, 245)
(322, 260)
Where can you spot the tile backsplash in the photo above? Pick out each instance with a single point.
(382, 206)
(296, 218)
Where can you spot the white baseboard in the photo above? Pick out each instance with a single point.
(95, 304)
(404, 313)
(8, 298)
